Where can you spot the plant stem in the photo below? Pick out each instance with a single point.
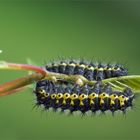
(79, 79)
(15, 66)
(19, 83)
(13, 86)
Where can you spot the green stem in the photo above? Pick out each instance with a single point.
(79, 79)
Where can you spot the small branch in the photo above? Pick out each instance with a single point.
(15, 66)
(19, 83)
(79, 79)
(13, 86)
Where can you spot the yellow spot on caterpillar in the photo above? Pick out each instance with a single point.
(105, 68)
(42, 91)
(65, 97)
(64, 101)
(63, 64)
(72, 102)
(91, 102)
(100, 69)
(113, 97)
(126, 98)
(122, 100)
(115, 69)
(121, 103)
(118, 69)
(103, 95)
(109, 69)
(81, 103)
(83, 66)
(101, 102)
(46, 95)
(112, 102)
(59, 96)
(81, 98)
(90, 68)
(73, 97)
(57, 101)
(91, 97)
(53, 96)
(72, 64)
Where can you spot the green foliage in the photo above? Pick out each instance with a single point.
(119, 83)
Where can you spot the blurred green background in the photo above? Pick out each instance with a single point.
(47, 30)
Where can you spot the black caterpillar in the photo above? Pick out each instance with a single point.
(91, 71)
(75, 98)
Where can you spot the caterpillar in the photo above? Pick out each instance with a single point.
(103, 87)
(90, 70)
(75, 98)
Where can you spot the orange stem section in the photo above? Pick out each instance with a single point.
(26, 67)
(16, 85)
(19, 83)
